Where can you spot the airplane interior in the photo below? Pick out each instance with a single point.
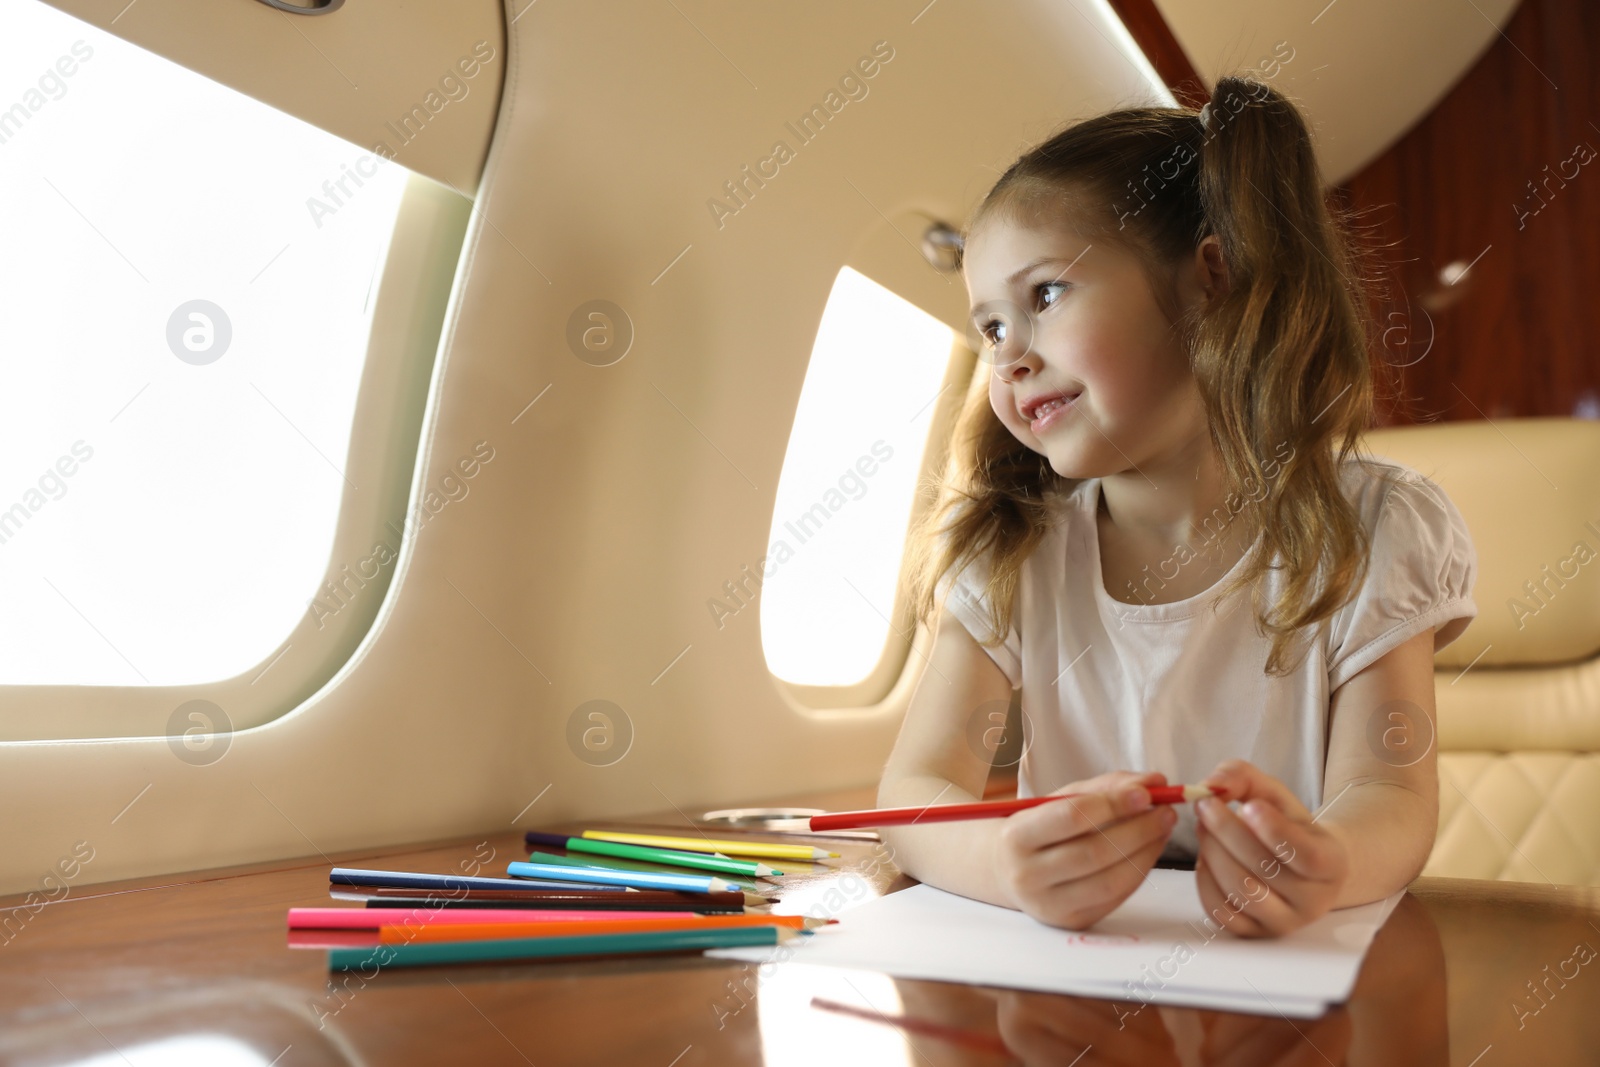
(437, 422)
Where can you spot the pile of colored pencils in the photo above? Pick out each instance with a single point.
(597, 894)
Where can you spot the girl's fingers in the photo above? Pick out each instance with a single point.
(1047, 824)
(1217, 877)
(1112, 782)
(1084, 901)
(1239, 839)
(1213, 900)
(1105, 847)
(1238, 779)
(1305, 849)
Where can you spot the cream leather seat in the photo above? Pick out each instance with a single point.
(1519, 691)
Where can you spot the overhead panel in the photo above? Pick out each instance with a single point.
(1363, 71)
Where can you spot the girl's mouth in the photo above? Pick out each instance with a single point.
(1053, 412)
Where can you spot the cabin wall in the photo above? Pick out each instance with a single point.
(1494, 177)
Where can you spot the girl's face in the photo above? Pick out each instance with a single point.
(1062, 318)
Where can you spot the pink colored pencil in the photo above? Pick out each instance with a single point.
(376, 918)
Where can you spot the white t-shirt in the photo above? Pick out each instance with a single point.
(1108, 685)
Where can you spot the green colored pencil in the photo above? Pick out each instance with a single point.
(528, 948)
(670, 857)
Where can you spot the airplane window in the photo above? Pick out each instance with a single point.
(849, 479)
(187, 277)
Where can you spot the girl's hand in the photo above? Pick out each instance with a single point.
(1071, 863)
(1270, 871)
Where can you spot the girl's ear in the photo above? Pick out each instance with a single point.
(1213, 268)
(1202, 278)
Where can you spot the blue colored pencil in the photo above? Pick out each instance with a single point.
(693, 883)
(526, 948)
(602, 863)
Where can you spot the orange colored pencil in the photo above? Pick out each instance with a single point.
(490, 931)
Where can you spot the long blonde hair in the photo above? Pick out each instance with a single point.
(1284, 356)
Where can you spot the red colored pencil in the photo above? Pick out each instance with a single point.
(987, 809)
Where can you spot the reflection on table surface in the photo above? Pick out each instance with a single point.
(196, 969)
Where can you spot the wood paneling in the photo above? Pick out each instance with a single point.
(1489, 178)
(1159, 45)
(1482, 221)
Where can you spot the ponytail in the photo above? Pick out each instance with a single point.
(1283, 358)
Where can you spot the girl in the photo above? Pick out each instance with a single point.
(1177, 344)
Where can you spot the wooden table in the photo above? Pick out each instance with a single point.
(199, 962)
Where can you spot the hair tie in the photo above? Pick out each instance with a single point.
(1205, 116)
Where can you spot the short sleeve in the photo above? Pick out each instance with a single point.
(965, 598)
(1420, 576)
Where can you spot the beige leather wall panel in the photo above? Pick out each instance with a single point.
(1522, 817)
(1530, 492)
(1365, 70)
(375, 74)
(1519, 695)
(1549, 709)
(579, 566)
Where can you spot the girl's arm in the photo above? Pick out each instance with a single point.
(933, 763)
(1067, 864)
(1381, 785)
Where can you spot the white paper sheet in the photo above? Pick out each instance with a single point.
(1155, 948)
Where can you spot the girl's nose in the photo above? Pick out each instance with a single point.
(1015, 361)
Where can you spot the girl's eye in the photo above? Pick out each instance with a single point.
(1037, 289)
(994, 331)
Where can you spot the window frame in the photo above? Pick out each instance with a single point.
(408, 319)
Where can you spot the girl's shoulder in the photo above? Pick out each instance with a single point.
(1377, 485)
(1421, 567)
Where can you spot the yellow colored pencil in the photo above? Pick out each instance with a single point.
(700, 844)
